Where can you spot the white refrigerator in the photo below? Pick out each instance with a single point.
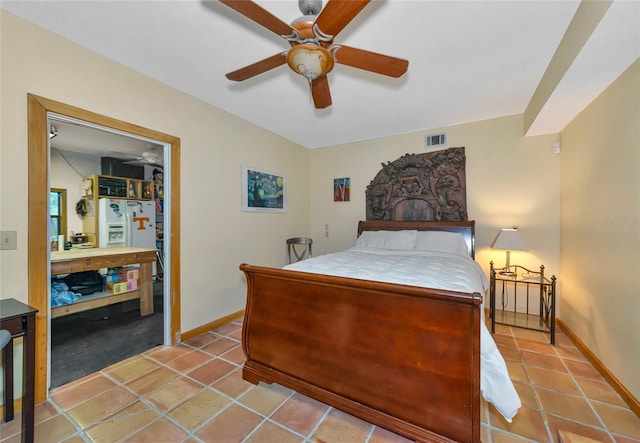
(126, 223)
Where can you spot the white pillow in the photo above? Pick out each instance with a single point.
(387, 239)
(441, 241)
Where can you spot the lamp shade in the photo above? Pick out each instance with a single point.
(509, 239)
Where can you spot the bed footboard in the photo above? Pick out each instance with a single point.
(402, 357)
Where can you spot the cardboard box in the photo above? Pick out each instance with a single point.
(127, 274)
(117, 288)
(132, 285)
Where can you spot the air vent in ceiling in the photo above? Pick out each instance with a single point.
(434, 140)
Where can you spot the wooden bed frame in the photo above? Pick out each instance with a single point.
(402, 357)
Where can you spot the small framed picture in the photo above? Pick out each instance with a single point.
(263, 191)
(341, 189)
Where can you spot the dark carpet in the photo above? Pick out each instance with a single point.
(89, 341)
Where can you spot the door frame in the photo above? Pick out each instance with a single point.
(38, 242)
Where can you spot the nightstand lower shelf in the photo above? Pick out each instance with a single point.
(521, 320)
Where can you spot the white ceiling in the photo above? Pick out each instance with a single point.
(468, 60)
(94, 140)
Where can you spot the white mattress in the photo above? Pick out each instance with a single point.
(451, 272)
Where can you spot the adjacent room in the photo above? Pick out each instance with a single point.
(107, 194)
(465, 172)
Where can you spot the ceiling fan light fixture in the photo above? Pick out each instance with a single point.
(310, 60)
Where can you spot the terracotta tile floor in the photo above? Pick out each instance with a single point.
(194, 392)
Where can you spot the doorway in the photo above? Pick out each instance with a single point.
(39, 109)
(90, 327)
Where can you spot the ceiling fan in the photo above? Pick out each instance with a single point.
(146, 159)
(313, 52)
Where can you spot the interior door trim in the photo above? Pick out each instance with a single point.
(38, 242)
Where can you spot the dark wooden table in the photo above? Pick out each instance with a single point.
(20, 320)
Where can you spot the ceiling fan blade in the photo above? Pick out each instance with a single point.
(337, 14)
(369, 61)
(320, 92)
(261, 16)
(121, 155)
(144, 163)
(258, 68)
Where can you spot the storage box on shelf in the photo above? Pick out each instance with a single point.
(128, 274)
(519, 283)
(120, 287)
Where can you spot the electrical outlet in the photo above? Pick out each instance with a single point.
(8, 240)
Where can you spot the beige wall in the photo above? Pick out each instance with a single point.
(600, 227)
(215, 235)
(511, 181)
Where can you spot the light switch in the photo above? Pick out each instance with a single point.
(8, 240)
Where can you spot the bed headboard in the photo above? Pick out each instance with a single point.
(426, 186)
(466, 228)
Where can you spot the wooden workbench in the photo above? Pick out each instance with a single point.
(78, 260)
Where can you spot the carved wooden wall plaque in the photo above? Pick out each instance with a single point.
(429, 186)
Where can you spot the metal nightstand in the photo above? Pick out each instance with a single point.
(517, 281)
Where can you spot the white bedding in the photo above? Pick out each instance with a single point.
(451, 272)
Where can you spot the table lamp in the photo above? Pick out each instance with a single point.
(509, 239)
